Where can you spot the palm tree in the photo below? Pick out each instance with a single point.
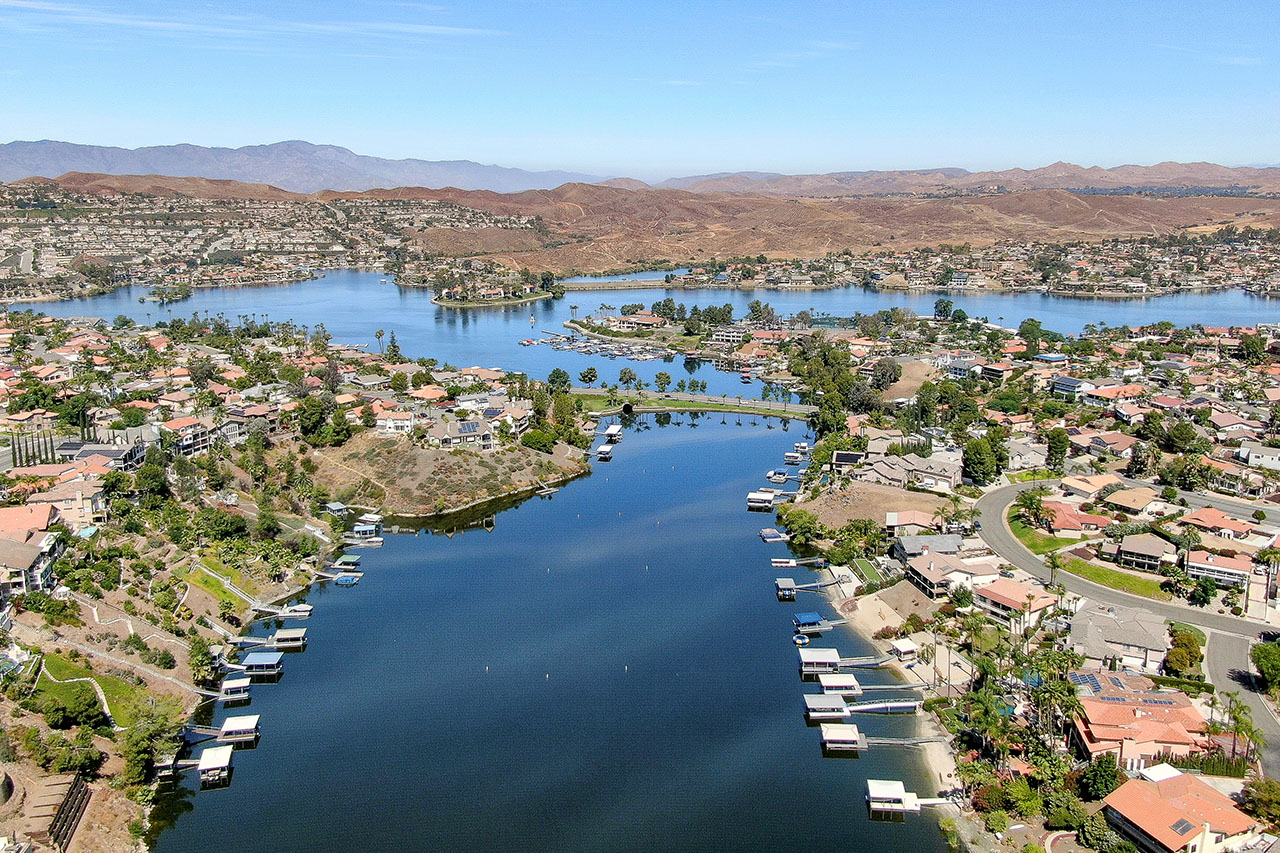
(574, 309)
(378, 334)
(1053, 561)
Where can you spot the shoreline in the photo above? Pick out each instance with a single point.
(495, 303)
(651, 283)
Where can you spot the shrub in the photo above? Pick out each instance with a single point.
(996, 821)
(989, 798)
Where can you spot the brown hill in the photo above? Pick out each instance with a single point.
(595, 227)
(162, 185)
(1054, 176)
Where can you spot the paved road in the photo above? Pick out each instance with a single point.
(995, 505)
(654, 398)
(1235, 506)
(1227, 665)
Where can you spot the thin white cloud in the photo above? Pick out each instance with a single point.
(240, 26)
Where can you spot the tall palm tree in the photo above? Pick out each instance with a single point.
(378, 334)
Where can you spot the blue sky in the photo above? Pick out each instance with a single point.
(654, 89)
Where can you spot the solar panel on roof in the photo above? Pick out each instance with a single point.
(1111, 698)
(1183, 826)
(1146, 701)
(1117, 682)
(468, 427)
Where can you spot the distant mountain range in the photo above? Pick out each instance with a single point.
(295, 166)
(1067, 176)
(303, 167)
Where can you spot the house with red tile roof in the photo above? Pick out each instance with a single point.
(1124, 715)
(1179, 813)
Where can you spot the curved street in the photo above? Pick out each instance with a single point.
(1226, 662)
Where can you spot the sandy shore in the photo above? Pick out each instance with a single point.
(868, 615)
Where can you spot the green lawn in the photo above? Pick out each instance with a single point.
(1146, 587)
(236, 576)
(1028, 476)
(868, 570)
(1184, 628)
(1036, 542)
(214, 587)
(118, 692)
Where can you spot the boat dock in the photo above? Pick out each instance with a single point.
(772, 534)
(890, 795)
(260, 664)
(789, 563)
(813, 622)
(786, 588)
(832, 706)
(818, 661)
(842, 737)
(604, 452)
(215, 765)
(288, 639)
(234, 689)
(612, 433)
(290, 611)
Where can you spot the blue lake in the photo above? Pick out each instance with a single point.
(607, 670)
(353, 305)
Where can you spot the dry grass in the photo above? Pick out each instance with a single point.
(868, 501)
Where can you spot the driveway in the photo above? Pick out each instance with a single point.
(1226, 663)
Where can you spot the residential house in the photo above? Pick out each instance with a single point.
(1133, 501)
(1128, 637)
(906, 547)
(80, 503)
(1179, 813)
(1089, 487)
(1144, 551)
(937, 574)
(1226, 571)
(1124, 715)
(1068, 520)
(191, 435)
(477, 435)
(1013, 605)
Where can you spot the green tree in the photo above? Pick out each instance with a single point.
(588, 377)
(399, 383)
(942, 308)
(1262, 799)
(978, 463)
(1101, 777)
(558, 381)
(1266, 658)
(627, 377)
(661, 381)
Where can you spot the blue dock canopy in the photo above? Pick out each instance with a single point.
(262, 659)
(802, 619)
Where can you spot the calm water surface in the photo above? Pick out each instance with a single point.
(606, 670)
(353, 305)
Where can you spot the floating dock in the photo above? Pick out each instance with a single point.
(814, 623)
(890, 795)
(235, 689)
(261, 663)
(612, 433)
(817, 661)
(291, 611)
(215, 765)
(791, 563)
(824, 706)
(840, 684)
(242, 729)
(842, 737)
(772, 534)
(604, 452)
(786, 588)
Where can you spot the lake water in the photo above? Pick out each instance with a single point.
(353, 305)
(607, 670)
